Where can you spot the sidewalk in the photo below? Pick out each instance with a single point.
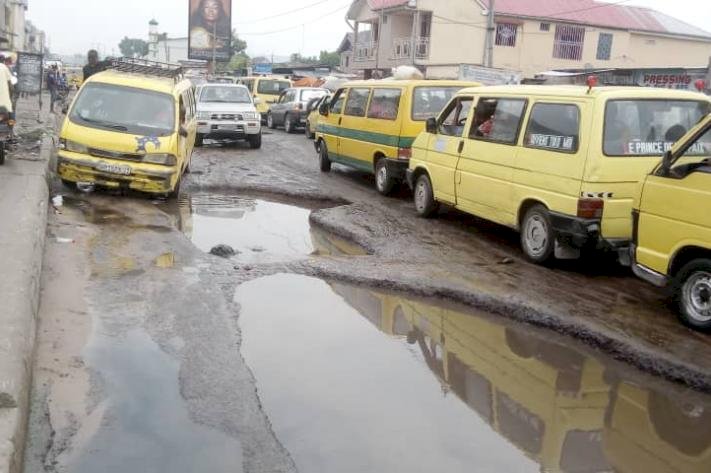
(23, 217)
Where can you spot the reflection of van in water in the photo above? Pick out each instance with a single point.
(547, 399)
(266, 90)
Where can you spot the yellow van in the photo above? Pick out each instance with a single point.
(130, 127)
(265, 91)
(559, 163)
(672, 225)
(370, 125)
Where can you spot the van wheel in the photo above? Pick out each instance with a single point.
(383, 181)
(255, 141)
(199, 139)
(324, 162)
(187, 166)
(69, 184)
(176, 190)
(537, 238)
(425, 203)
(270, 121)
(288, 124)
(693, 294)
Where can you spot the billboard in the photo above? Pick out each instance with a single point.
(210, 30)
(29, 73)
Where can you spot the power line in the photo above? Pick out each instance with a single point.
(278, 15)
(290, 28)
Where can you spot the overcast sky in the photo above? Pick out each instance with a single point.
(75, 26)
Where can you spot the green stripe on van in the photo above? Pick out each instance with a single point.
(352, 162)
(367, 136)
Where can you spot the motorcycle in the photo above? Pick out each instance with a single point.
(6, 125)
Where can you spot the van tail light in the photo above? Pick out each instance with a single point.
(404, 154)
(590, 208)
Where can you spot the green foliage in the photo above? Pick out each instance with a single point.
(299, 59)
(133, 47)
(239, 60)
(333, 59)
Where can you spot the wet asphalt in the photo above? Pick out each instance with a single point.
(321, 345)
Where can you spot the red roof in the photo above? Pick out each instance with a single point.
(597, 13)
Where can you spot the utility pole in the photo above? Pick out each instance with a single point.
(490, 33)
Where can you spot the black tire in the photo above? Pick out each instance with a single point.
(384, 182)
(255, 141)
(537, 236)
(270, 121)
(692, 289)
(324, 162)
(176, 191)
(423, 196)
(69, 184)
(199, 140)
(288, 124)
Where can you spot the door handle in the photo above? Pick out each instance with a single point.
(461, 147)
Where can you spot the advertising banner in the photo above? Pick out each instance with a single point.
(210, 30)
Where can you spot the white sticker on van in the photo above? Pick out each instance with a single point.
(658, 147)
(551, 141)
(440, 145)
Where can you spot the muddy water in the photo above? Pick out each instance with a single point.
(357, 380)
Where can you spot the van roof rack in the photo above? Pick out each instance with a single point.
(144, 66)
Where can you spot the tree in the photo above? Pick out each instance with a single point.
(239, 59)
(331, 59)
(133, 47)
(297, 58)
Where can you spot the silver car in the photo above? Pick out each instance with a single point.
(290, 109)
(227, 111)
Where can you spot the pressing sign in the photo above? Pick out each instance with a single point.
(551, 141)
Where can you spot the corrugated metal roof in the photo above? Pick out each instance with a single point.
(591, 12)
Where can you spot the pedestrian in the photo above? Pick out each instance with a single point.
(6, 88)
(53, 85)
(94, 65)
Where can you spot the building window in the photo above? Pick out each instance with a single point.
(348, 61)
(506, 34)
(545, 27)
(604, 46)
(425, 24)
(569, 41)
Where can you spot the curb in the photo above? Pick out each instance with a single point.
(24, 197)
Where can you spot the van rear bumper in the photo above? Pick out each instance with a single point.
(397, 168)
(576, 231)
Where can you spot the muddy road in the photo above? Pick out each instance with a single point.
(344, 335)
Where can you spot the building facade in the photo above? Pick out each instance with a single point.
(529, 37)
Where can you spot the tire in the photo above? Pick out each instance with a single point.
(288, 124)
(537, 237)
(270, 121)
(324, 162)
(176, 191)
(383, 181)
(199, 140)
(69, 184)
(692, 286)
(425, 203)
(255, 141)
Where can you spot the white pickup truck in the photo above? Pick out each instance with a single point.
(227, 111)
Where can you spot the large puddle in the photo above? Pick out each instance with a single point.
(260, 231)
(354, 380)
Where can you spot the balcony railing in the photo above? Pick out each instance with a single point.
(402, 48)
(365, 51)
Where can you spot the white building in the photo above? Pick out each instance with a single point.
(164, 49)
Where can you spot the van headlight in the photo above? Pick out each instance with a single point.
(73, 146)
(203, 115)
(160, 158)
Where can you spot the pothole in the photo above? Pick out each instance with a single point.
(356, 374)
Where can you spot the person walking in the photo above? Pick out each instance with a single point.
(6, 87)
(53, 84)
(93, 64)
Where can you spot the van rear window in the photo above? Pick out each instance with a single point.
(428, 102)
(272, 87)
(649, 127)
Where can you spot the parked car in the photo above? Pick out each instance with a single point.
(133, 130)
(370, 125)
(264, 90)
(313, 116)
(559, 163)
(290, 109)
(672, 226)
(226, 111)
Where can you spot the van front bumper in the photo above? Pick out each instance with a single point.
(142, 180)
(643, 272)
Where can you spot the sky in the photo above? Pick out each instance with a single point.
(303, 26)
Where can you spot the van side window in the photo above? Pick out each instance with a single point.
(182, 111)
(385, 104)
(357, 101)
(454, 117)
(553, 126)
(337, 102)
(497, 120)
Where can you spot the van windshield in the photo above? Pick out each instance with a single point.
(272, 87)
(650, 127)
(701, 148)
(428, 102)
(225, 95)
(124, 109)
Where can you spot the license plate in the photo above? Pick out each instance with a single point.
(114, 169)
(227, 127)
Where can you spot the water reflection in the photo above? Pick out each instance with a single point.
(497, 397)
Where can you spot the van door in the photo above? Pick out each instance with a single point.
(355, 145)
(484, 178)
(444, 147)
(330, 125)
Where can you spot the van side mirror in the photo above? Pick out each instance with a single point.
(431, 125)
(182, 131)
(666, 164)
(324, 109)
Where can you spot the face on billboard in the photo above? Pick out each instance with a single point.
(210, 29)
